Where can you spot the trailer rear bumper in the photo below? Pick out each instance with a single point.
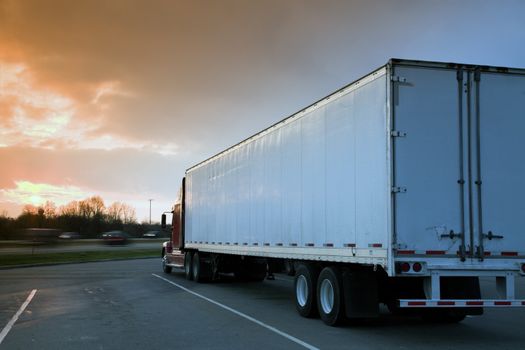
(449, 283)
(458, 303)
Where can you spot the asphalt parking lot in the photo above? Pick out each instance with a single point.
(132, 304)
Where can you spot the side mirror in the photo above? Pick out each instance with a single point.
(163, 221)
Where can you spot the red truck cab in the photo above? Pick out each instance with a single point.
(172, 251)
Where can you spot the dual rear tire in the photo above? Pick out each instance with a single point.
(188, 265)
(305, 287)
(319, 294)
(197, 267)
(330, 299)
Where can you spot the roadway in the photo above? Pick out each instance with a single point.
(132, 304)
(77, 246)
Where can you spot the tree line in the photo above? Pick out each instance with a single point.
(89, 217)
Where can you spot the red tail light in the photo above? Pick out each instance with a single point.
(523, 268)
(405, 267)
(417, 267)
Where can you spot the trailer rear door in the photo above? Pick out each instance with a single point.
(458, 161)
(428, 198)
(499, 111)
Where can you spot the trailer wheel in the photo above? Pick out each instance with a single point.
(305, 282)
(165, 267)
(201, 268)
(330, 296)
(188, 271)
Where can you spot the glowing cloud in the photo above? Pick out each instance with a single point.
(109, 88)
(31, 115)
(41, 118)
(27, 192)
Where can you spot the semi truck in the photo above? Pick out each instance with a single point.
(403, 188)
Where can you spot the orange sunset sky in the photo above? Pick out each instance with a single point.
(117, 98)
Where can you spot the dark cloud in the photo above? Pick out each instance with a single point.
(192, 64)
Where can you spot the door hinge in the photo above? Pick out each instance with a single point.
(490, 236)
(399, 246)
(398, 79)
(396, 133)
(459, 75)
(477, 75)
(397, 189)
(451, 235)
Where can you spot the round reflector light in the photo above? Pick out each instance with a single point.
(405, 267)
(417, 267)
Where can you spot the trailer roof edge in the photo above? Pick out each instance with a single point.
(391, 62)
(290, 116)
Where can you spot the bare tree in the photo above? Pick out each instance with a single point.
(97, 205)
(128, 214)
(50, 209)
(91, 207)
(30, 209)
(115, 211)
(70, 209)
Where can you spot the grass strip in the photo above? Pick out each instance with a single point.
(72, 257)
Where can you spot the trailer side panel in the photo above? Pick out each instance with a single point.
(313, 185)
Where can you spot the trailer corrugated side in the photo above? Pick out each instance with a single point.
(314, 186)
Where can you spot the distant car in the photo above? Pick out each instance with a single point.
(41, 235)
(151, 234)
(115, 237)
(69, 235)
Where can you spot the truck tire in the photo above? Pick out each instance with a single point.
(305, 284)
(188, 270)
(201, 268)
(165, 267)
(330, 301)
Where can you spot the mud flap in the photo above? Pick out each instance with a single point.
(462, 288)
(360, 289)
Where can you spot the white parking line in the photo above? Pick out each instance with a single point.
(260, 323)
(11, 323)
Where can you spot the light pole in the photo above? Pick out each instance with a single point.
(150, 210)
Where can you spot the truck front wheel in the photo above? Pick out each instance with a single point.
(188, 262)
(201, 268)
(330, 296)
(305, 290)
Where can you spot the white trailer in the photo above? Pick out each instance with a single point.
(403, 187)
